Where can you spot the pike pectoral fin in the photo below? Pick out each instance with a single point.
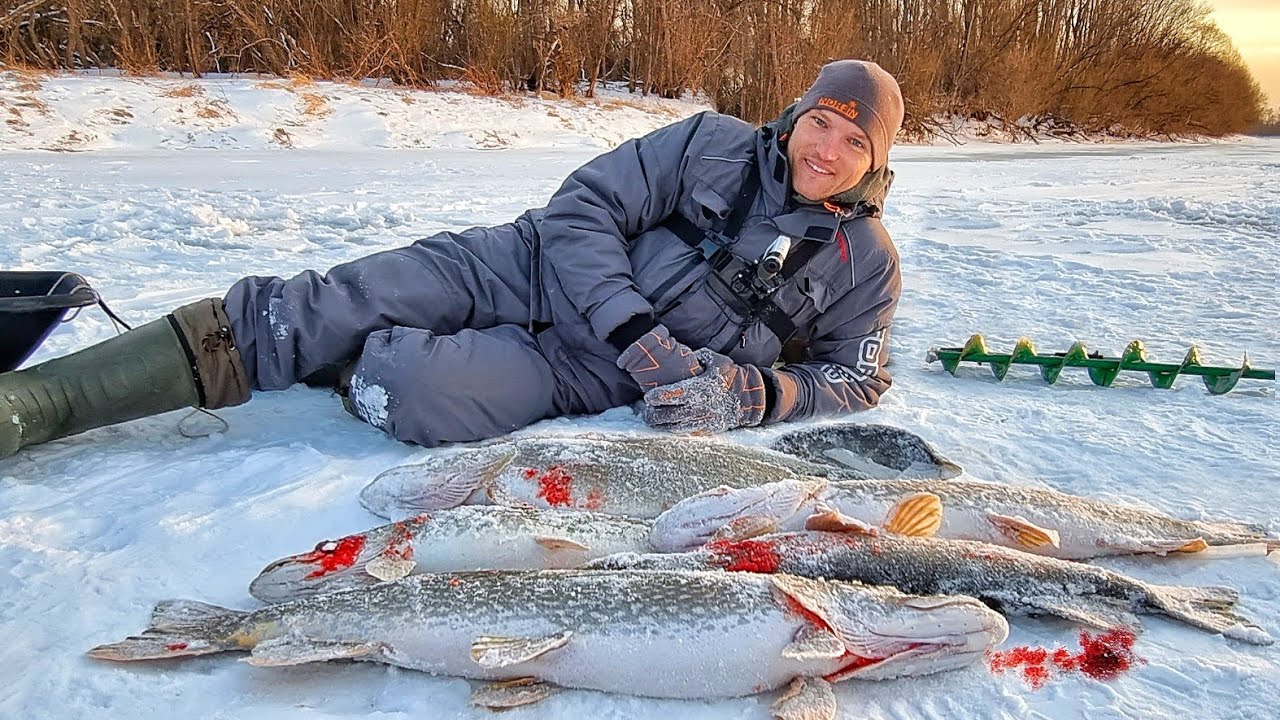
(1086, 611)
(511, 693)
(916, 515)
(492, 652)
(1024, 533)
(550, 542)
(814, 643)
(298, 649)
(389, 568)
(1159, 546)
(806, 698)
(745, 528)
(829, 519)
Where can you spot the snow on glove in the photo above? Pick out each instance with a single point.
(658, 359)
(725, 396)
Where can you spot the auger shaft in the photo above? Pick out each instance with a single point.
(1102, 370)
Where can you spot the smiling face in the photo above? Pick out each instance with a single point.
(828, 154)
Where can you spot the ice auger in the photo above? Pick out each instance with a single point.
(1102, 370)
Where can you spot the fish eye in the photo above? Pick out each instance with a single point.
(326, 546)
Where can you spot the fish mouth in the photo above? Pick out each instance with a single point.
(439, 484)
(289, 579)
(934, 634)
(696, 520)
(333, 565)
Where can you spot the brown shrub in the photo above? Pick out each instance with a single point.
(1144, 66)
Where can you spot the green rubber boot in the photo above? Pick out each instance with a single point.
(186, 359)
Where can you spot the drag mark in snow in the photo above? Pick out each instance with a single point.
(555, 486)
(1103, 657)
(332, 557)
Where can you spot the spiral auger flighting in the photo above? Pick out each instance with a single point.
(1102, 370)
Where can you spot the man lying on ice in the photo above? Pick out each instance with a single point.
(678, 268)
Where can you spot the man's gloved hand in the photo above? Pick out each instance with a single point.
(657, 359)
(725, 396)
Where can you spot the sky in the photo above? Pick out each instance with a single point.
(1254, 26)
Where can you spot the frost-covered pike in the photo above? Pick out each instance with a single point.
(1015, 582)
(1036, 520)
(615, 474)
(659, 634)
(472, 537)
(867, 451)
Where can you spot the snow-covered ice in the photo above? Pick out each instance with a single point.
(179, 192)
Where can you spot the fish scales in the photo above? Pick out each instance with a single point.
(471, 537)
(1087, 527)
(660, 634)
(1038, 520)
(1018, 583)
(636, 477)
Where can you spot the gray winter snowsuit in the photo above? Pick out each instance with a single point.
(463, 336)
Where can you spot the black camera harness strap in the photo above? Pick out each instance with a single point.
(733, 279)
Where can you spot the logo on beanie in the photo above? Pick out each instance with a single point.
(849, 109)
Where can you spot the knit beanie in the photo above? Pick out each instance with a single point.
(862, 92)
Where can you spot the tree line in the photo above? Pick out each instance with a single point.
(1146, 67)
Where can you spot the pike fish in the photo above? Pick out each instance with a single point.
(657, 634)
(615, 474)
(867, 451)
(472, 537)
(1014, 582)
(1035, 520)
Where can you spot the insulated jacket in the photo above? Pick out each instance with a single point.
(604, 252)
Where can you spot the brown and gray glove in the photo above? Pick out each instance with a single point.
(657, 359)
(725, 396)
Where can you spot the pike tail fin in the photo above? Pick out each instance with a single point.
(1208, 608)
(179, 628)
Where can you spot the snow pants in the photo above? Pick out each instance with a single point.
(442, 336)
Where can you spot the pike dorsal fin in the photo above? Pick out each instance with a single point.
(806, 698)
(295, 649)
(1159, 546)
(814, 643)
(491, 652)
(509, 694)
(916, 515)
(550, 542)
(1024, 533)
(829, 519)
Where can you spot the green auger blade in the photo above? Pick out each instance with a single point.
(1102, 370)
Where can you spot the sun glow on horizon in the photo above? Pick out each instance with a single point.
(1254, 27)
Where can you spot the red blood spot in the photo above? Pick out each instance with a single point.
(554, 487)
(1104, 657)
(340, 558)
(529, 473)
(176, 647)
(1109, 655)
(455, 582)
(595, 499)
(401, 543)
(755, 556)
